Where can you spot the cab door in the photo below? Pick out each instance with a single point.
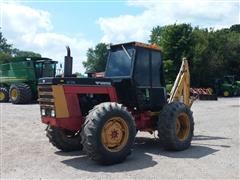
(158, 93)
(142, 78)
(149, 80)
(38, 69)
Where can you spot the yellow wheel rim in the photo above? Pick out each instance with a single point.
(115, 134)
(14, 94)
(2, 96)
(226, 93)
(182, 126)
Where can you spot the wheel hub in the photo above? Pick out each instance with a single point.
(226, 93)
(14, 94)
(115, 134)
(2, 96)
(182, 126)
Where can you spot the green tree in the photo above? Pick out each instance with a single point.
(5, 49)
(232, 54)
(19, 53)
(176, 42)
(235, 28)
(215, 54)
(211, 53)
(96, 58)
(4, 46)
(156, 35)
(200, 67)
(169, 71)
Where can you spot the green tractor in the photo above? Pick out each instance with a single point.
(228, 86)
(19, 77)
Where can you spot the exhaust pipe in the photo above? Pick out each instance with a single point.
(68, 63)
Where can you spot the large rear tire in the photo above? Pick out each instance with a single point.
(63, 139)
(175, 126)
(20, 93)
(4, 97)
(108, 133)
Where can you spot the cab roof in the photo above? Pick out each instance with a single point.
(19, 59)
(138, 44)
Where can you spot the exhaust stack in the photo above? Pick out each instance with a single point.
(68, 63)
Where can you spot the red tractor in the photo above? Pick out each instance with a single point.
(103, 115)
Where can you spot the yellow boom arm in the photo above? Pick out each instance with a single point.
(181, 88)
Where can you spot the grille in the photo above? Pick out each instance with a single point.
(45, 96)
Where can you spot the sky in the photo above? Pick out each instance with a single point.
(47, 26)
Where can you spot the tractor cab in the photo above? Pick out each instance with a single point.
(138, 68)
(45, 67)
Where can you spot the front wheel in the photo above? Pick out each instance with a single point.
(108, 133)
(4, 97)
(63, 139)
(175, 126)
(226, 93)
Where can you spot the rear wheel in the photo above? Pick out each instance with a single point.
(20, 93)
(108, 133)
(226, 93)
(4, 97)
(175, 126)
(63, 139)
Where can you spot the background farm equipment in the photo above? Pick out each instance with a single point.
(19, 77)
(203, 93)
(227, 86)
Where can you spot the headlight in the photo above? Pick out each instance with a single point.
(53, 113)
(43, 112)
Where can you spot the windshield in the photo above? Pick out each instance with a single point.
(120, 62)
(48, 70)
(45, 69)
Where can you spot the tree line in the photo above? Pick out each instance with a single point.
(7, 51)
(211, 53)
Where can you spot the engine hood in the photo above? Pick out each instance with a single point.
(75, 81)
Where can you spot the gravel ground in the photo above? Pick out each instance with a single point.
(214, 154)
